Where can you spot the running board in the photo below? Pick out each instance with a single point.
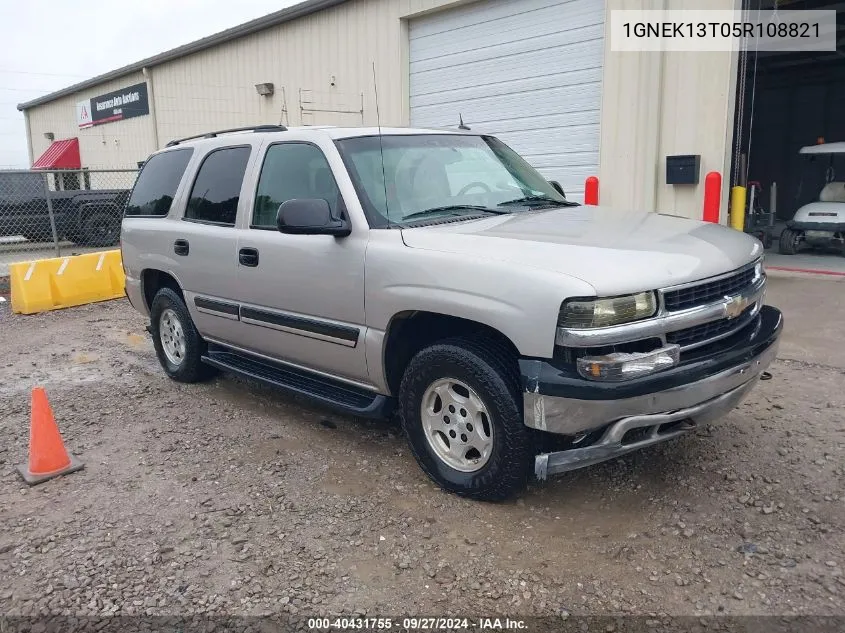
(334, 394)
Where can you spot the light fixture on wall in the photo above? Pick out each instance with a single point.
(265, 89)
(49, 136)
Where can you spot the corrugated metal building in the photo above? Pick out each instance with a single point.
(538, 73)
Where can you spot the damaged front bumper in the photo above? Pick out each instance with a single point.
(643, 411)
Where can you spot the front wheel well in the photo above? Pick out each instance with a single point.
(411, 331)
(153, 280)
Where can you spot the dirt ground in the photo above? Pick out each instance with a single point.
(230, 498)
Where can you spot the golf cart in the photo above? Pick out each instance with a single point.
(821, 223)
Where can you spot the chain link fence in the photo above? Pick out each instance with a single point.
(62, 212)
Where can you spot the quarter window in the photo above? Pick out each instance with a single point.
(293, 171)
(157, 183)
(217, 188)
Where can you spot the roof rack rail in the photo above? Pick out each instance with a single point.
(248, 128)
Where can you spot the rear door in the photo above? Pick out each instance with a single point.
(204, 240)
(145, 236)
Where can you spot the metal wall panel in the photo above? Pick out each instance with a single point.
(538, 72)
(115, 145)
(528, 71)
(321, 66)
(322, 61)
(658, 104)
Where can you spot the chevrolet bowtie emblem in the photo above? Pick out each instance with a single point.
(734, 306)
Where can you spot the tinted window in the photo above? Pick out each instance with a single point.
(217, 187)
(157, 183)
(290, 171)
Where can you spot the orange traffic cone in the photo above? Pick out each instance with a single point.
(47, 455)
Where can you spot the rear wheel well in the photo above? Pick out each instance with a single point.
(409, 332)
(154, 280)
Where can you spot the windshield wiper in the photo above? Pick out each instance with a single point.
(527, 200)
(453, 207)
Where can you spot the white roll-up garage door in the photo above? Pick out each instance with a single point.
(528, 71)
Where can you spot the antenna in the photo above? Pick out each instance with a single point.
(381, 146)
(462, 125)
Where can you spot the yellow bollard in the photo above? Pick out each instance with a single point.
(738, 208)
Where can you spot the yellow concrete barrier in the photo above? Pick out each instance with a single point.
(62, 282)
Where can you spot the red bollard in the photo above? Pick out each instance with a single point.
(712, 196)
(591, 191)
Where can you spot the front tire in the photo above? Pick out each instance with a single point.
(789, 242)
(178, 345)
(461, 411)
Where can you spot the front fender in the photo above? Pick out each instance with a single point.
(521, 302)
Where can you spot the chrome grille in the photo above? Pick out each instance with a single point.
(707, 332)
(690, 315)
(707, 292)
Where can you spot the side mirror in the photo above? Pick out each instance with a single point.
(309, 216)
(558, 188)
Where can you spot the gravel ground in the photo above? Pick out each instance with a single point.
(230, 498)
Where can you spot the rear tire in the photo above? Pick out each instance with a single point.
(789, 242)
(178, 345)
(100, 228)
(489, 454)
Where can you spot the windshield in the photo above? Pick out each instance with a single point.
(429, 176)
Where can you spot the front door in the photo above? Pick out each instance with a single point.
(301, 296)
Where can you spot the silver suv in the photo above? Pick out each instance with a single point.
(438, 275)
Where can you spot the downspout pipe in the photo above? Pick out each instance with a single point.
(148, 75)
(28, 137)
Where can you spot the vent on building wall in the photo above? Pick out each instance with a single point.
(265, 89)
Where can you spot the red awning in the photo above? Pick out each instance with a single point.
(60, 155)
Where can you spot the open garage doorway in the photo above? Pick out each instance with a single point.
(787, 101)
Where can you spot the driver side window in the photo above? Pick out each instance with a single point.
(293, 171)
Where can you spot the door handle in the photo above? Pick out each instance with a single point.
(248, 257)
(181, 247)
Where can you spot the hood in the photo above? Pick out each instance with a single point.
(806, 213)
(615, 251)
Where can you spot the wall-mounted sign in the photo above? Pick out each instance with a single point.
(83, 114)
(114, 106)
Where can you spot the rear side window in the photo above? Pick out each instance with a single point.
(217, 188)
(290, 171)
(157, 183)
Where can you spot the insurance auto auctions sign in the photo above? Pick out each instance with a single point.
(115, 106)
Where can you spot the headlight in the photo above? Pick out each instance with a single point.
(587, 313)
